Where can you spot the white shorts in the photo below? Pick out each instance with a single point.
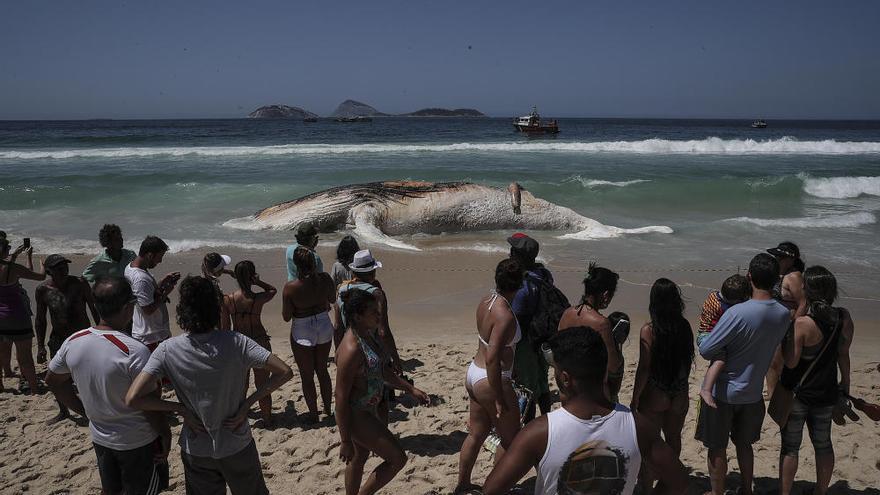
(312, 330)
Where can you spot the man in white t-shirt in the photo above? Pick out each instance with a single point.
(589, 445)
(150, 324)
(131, 446)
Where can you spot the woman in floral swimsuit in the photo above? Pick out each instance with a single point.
(362, 368)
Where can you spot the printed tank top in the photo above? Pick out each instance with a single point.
(597, 455)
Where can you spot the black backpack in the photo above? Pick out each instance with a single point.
(551, 304)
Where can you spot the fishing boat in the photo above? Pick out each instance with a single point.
(310, 119)
(759, 124)
(359, 118)
(531, 124)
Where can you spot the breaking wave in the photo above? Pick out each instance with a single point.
(841, 187)
(848, 220)
(591, 183)
(708, 146)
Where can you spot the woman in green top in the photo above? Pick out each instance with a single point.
(362, 367)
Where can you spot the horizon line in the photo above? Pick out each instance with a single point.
(485, 116)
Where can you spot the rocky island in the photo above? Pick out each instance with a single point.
(352, 108)
(281, 112)
(445, 112)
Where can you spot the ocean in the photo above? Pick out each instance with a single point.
(726, 190)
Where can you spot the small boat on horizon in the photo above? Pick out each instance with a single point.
(759, 124)
(531, 124)
(310, 119)
(358, 118)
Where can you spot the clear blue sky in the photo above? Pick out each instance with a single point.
(190, 59)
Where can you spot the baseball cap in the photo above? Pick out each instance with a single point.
(54, 260)
(788, 249)
(523, 243)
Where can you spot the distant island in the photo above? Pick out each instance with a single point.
(352, 108)
(281, 112)
(445, 112)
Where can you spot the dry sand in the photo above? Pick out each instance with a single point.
(432, 300)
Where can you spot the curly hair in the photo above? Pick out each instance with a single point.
(509, 275)
(108, 232)
(198, 310)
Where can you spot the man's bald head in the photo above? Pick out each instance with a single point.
(112, 295)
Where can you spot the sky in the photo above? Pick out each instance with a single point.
(222, 59)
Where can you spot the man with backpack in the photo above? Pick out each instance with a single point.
(538, 307)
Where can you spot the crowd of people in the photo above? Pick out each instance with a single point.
(125, 372)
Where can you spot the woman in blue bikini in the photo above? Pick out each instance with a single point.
(362, 368)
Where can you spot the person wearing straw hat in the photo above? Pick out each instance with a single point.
(363, 269)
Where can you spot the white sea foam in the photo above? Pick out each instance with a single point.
(847, 220)
(481, 247)
(48, 245)
(183, 245)
(601, 231)
(708, 146)
(591, 183)
(841, 187)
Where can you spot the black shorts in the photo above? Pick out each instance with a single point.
(738, 422)
(242, 472)
(16, 335)
(133, 472)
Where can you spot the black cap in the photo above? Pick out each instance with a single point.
(54, 260)
(785, 249)
(524, 243)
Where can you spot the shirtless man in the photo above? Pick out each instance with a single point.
(65, 297)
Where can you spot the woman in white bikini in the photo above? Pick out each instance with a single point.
(492, 399)
(306, 300)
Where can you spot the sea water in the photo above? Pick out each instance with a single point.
(726, 190)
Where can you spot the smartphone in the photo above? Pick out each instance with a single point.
(27, 242)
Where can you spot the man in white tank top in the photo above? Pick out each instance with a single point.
(589, 445)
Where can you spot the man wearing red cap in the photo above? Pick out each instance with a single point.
(530, 369)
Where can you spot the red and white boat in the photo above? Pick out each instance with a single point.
(531, 124)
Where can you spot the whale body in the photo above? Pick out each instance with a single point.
(382, 209)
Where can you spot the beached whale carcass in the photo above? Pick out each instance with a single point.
(381, 209)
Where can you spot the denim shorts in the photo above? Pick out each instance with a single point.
(818, 420)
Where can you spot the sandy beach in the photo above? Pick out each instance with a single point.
(432, 302)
